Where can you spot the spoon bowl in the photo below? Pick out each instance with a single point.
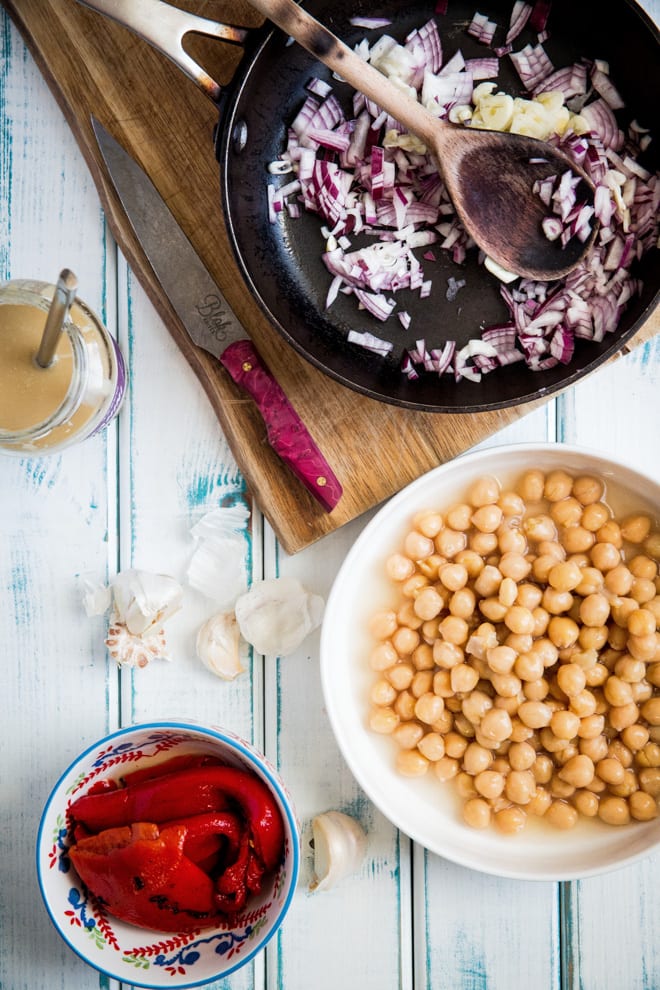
(489, 175)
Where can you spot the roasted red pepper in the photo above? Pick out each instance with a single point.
(140, 873)
(166, 851)
(190, 792)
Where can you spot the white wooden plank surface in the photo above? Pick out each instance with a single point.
(129, 498)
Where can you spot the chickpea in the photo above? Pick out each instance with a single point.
(619, 580)
(411, 763)
(422, 657)
(462, 603)
(565, 575)
(510, 820)
(514, 565)
(463, 678)
(522, 756)
(561, 814)
(519, 620)
(405, 640)
(382, 693)
(465, 785)
(453, 576)
(488, 581)
(487, 518)
(398, 567)
(407, 734)
(493, 609)
(428, 523)
(404, 706)
(643, 647)
(593, 637)
(535, 714)
(594, 610)
(643, 590)
(586, 803)
(476, 759)
(508, 687)
(591, 726)
(571, 678)
(558, 485)
(555, 602)
(449, 542)
(445, 768)
(520, 786)
(649, 781)
(566, 512)
(653, 674)
(635, 736)
(458, 517)
(383, 720)
(614, 810)
(511, 504)
(617, 692)
(652, 545)
(642, 806)
(383, 656)
(538, 528)
(430, 566)
(476, 813)
(643, 567)
(400, 675)
(495, 725)
(422, 683)
(595, 516)
(528, 666)
(578, 771)
(428, 708)
(578, 539)
(564, 724)
(511, 540)
(501, 659)
(406, 616)
(636, 528)
(412, 587)
(563, 631)
(483, 543)
(432, 746)
(383, 624)
(651, 711)
(454, 630)
(475, 705)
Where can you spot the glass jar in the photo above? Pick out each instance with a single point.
(43, 410)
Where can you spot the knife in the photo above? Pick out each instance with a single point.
(209, 320)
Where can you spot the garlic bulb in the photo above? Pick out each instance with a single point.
(143, 601)
(131, 650)
(218, 646)
(275, 616)
(340, 845)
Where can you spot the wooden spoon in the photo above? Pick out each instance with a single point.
(488, 174)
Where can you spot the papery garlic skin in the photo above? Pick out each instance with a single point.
(131, 650)
(340, 845)
(97, 598)
(217, 567)
(275, 616)
(143, 601)
(218, 646)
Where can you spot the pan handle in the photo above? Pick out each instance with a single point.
(164, 28)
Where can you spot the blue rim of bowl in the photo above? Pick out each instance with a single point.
(245, 749)
(352, 762)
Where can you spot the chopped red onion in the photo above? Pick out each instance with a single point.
(482, 29)
(370, 22)
(370, 342)
(520, 14)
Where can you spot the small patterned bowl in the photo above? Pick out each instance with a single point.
(136, 956)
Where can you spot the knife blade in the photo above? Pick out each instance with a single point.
(208, 318)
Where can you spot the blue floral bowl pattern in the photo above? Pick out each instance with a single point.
(134, 955)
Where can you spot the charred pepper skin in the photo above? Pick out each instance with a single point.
(183, 793)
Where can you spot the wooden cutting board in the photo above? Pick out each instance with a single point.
(93, 65)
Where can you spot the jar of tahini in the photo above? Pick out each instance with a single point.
(43, 410)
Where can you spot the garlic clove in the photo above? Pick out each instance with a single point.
(143, 601)
(217, 567)
(218, 646)
(275, 616)
(131, 650)
(340, 845)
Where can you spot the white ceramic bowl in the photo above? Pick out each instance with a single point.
(423, 808)
(136, 956)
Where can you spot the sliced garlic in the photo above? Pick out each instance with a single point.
(143, 601)
(217, 567)
(218, 646)
(340, 845)
(131, 650)
(275, 616)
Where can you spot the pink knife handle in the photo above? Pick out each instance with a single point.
(287, 434)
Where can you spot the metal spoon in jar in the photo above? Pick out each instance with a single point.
(489, 175)
(63, 296)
